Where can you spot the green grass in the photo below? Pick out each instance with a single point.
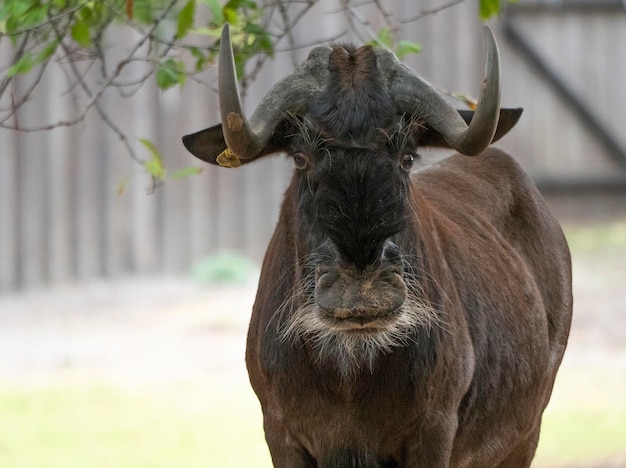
(585, 422)
(600, 238)
(202, 424)
(96, 426)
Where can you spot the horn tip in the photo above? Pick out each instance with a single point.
(226, 31)
(488, 32)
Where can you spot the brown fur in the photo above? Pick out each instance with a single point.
(401, 320)
(469, 392)
(354, 67)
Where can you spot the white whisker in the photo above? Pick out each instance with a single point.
(351, 350)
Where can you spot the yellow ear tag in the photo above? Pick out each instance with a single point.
(228, 159)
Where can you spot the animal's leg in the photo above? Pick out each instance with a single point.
(522, 454)
(434, 447)
(285, 452)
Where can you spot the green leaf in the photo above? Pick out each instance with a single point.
(385, 38)
(170, 74)
(187, 172)
(488, 8)
(213, 32)
(238, 4)
(230, 15)
(35, 14)
(47, 51)
(25, 64)
(154, 165)
(216, 11)
(20, 15)
(266, 44)
(144, 11)
(121, 187)
(405, 48)
(27, 61)
(258, 40)
(185, 19)
(80, 34)
(201, 58)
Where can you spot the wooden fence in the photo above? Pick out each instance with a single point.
(63, 219)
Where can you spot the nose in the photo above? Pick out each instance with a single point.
(362, 295)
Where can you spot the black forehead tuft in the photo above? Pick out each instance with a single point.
(355, 105)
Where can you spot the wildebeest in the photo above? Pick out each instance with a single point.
(402, 319)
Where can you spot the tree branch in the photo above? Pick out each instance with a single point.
(432, 11)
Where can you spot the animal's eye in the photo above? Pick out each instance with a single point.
(407, 161)
(301, 160)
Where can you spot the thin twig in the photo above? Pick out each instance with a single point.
(282, 9)
(25, 97)
(120, 134)
(431, 11)
(351, 14)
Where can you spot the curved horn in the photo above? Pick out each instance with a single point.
(415, 94)
(246, 139)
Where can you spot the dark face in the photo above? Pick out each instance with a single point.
(352, 202)
(353, 214)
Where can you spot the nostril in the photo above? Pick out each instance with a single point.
(395, 270)
(321, 269)
(329, 286)
(324, 276)
(391, 253)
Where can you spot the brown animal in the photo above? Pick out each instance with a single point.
(402, 319)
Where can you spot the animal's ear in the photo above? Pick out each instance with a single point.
(209, 145)
(508, 119)
(206, 144)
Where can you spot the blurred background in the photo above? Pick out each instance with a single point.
(124, 306)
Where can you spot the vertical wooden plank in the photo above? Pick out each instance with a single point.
(61, 239)
(230, 212)
(102, 187)
(174, 228)
(564, 44)
(118, 188)
(615, 72)
(9, 189)
(145, 217)
(88, 215)
(200, 107)
(259, 203)
(272, 178)
(8, 193)
(539, 99)
(519, 88)
(607, 68)
(466, 58)
(9, 212)
(32, 148)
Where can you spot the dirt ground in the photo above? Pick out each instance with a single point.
(154, 328)
(127, 331)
